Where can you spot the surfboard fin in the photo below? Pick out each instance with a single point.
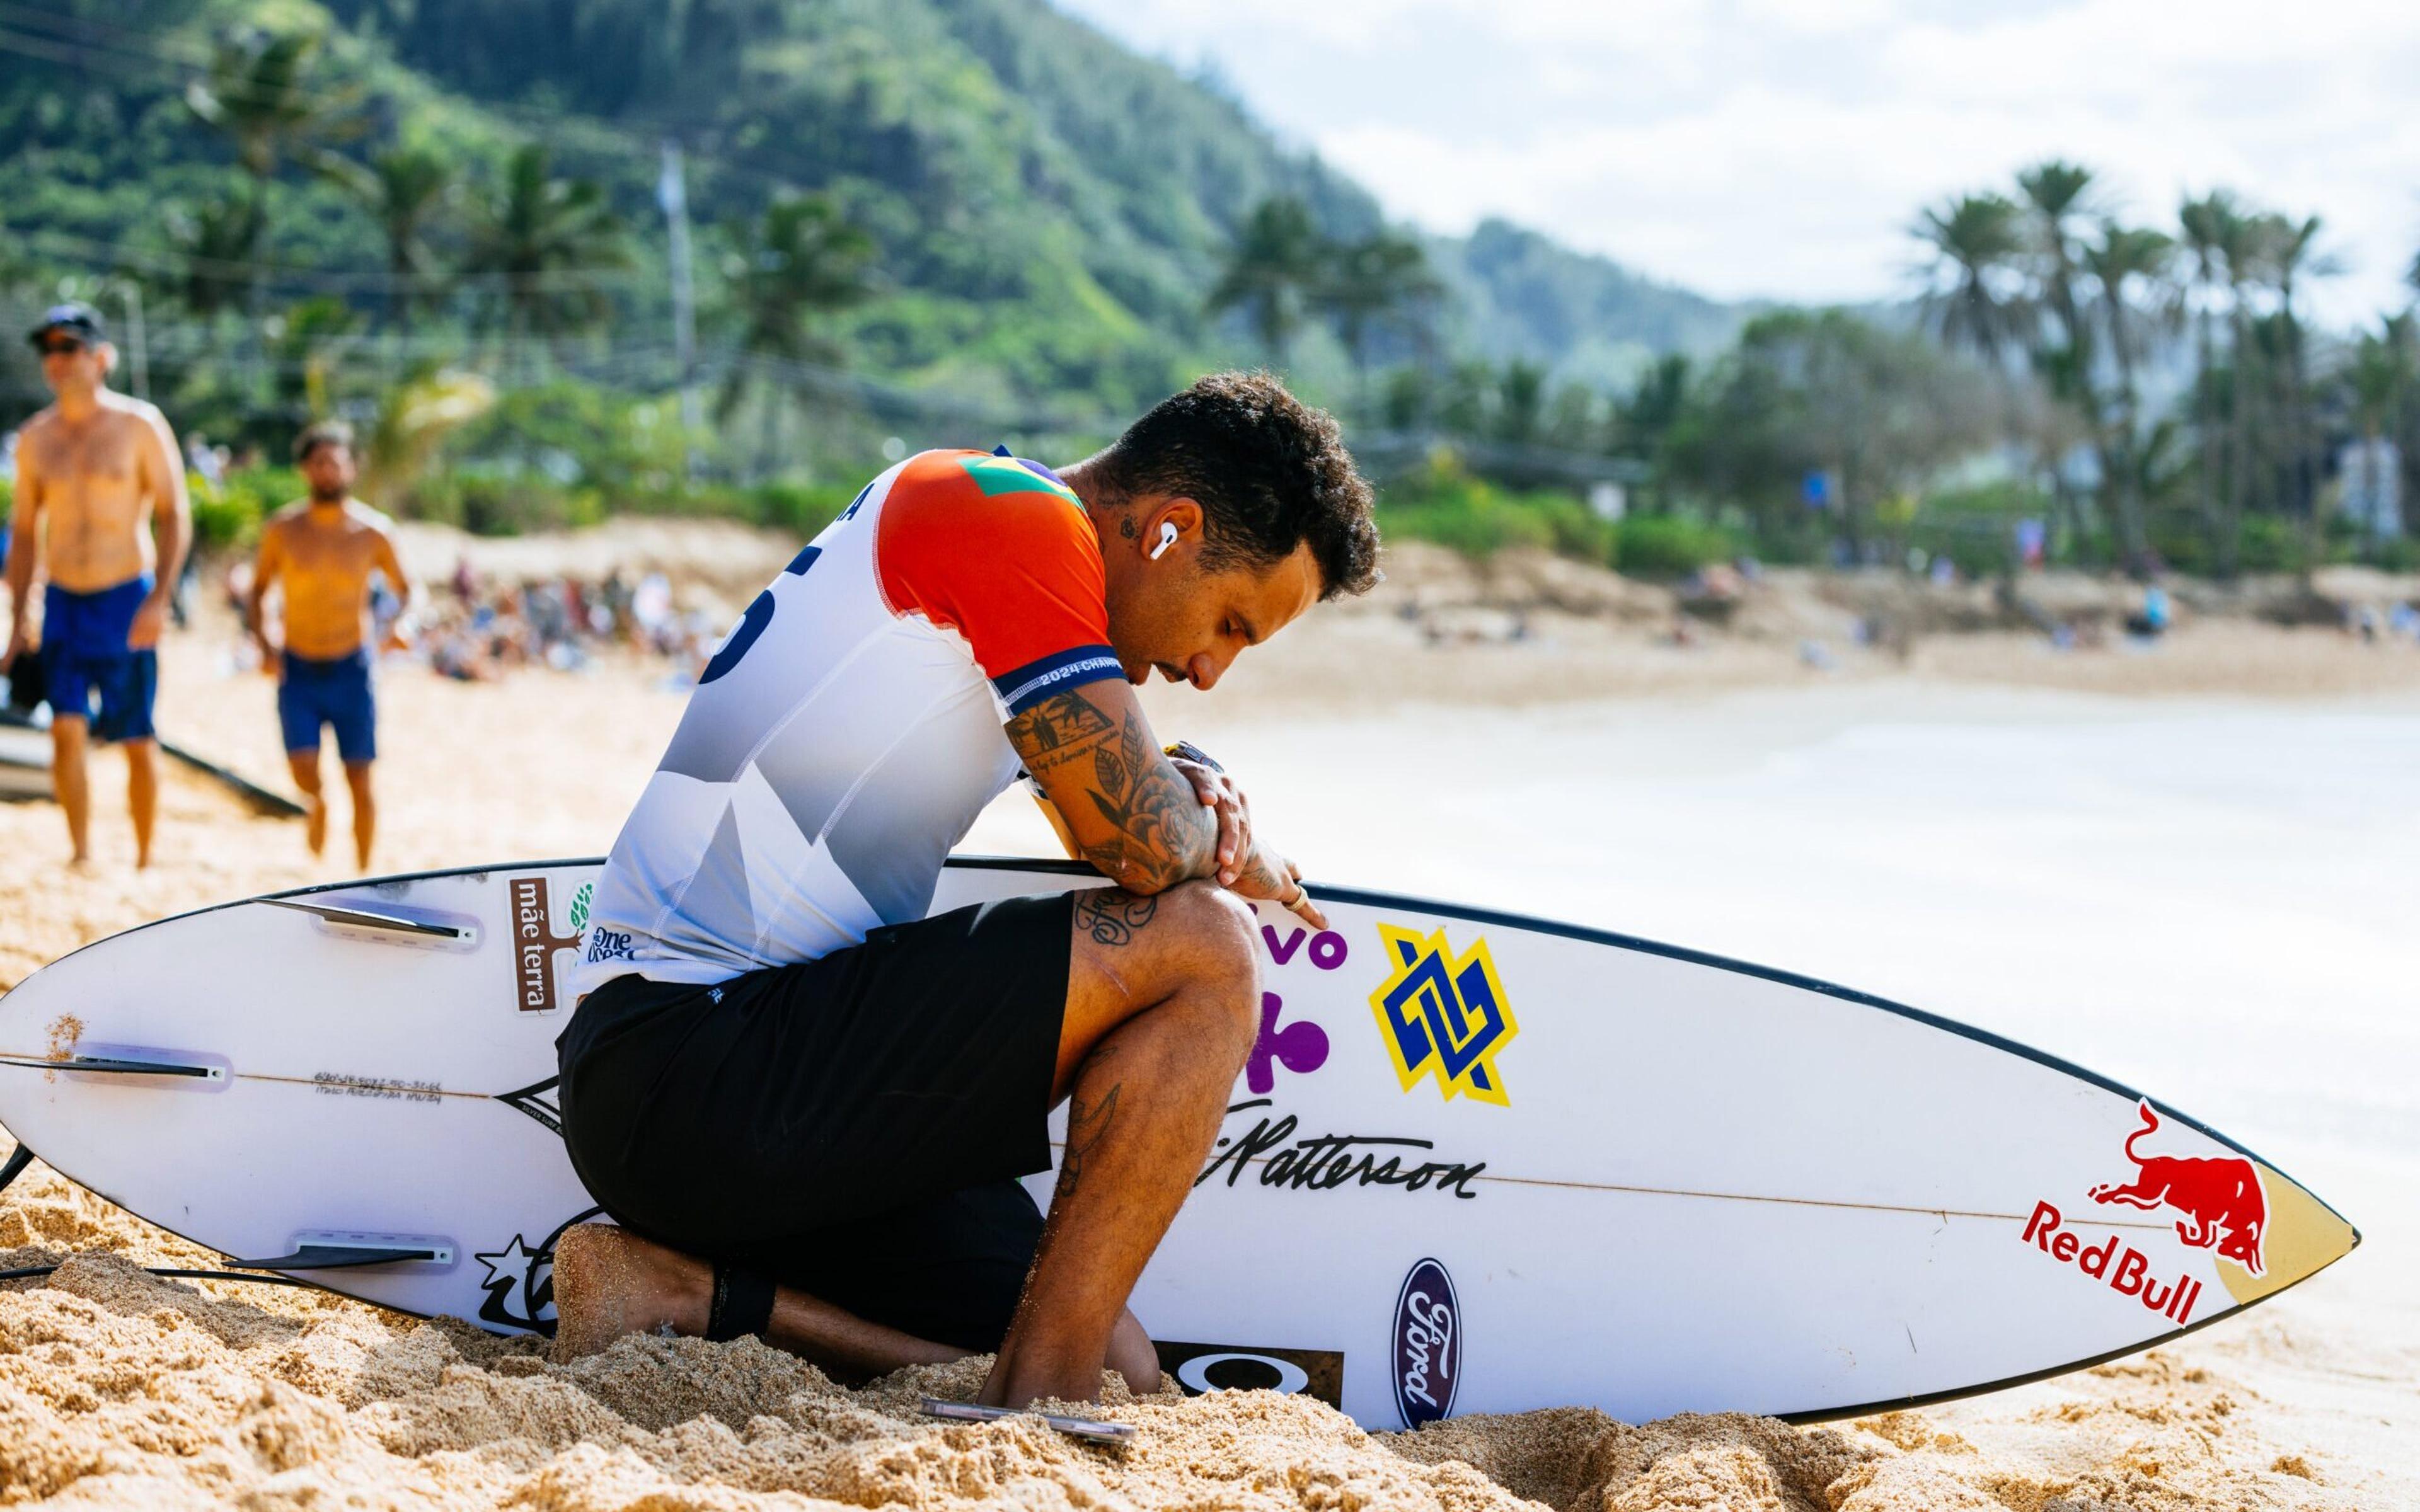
(118, 1066)
(400, 926)
(19, 1159)
(313, 1252)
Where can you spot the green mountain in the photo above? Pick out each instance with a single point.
(1584, 318)
(1049, 209)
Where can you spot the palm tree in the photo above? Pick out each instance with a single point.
(2291, 253)
(1520, 402)
(2203, 223)
(259, 93)
(406, 188)
(414, 417)
(2402, 336)
(802, 261)
(1978, 241)
(2242, 243)
(1274, 262)
(219, 242)
(2056, 193)
(546, 238)
(1367, 283)
(2379, 381)
(318, 336)
(2124, 262)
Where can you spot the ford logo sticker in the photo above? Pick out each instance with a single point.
(1427, 1356)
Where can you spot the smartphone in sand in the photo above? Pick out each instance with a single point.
(1091, 1429)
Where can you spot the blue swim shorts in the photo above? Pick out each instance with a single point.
(84, 657)
(335, 692)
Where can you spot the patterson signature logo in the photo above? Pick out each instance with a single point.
(1443, 1015)
(1323, 1162)
(1426, 1362)
(535, 941)
(2224, 1205)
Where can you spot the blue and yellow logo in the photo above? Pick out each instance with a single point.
(1443, 1016)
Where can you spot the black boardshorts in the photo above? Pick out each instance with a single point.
(851, 1126)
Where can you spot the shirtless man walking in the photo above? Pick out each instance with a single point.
(89, 470)
(323, 550)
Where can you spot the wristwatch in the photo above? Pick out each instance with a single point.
(1188, 750)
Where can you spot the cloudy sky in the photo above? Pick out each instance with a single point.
(1780, 147)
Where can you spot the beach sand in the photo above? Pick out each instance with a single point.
(119, 1390)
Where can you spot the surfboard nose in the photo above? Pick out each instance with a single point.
(2301, 1236)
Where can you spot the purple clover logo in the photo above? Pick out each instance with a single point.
(1299, 1047)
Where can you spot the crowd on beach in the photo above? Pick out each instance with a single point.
(480, 629)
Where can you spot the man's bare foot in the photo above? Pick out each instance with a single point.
(609, 1282)
(315, 821)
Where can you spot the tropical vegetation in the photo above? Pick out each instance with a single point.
(561, 257)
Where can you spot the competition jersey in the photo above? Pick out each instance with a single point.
(848, 730)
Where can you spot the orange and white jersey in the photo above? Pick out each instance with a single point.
(848, 730)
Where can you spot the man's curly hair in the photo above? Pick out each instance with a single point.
(1268, 471)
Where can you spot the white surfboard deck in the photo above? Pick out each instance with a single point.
(1478, 1163)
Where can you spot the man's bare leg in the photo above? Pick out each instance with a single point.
(609, 1282)
(67, 783)
(304, 765)
(143, 794)
(1162, 1007)
(357, 776)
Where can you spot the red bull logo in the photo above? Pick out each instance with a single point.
(2121, 1267)
(2221, 1197)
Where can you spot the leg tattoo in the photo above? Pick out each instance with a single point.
(1112, 915)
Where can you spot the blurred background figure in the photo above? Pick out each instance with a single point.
(323, 555)
(101, 508)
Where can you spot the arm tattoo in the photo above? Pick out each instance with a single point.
(1086, 1124)
(1160, 831)
(1112, 915)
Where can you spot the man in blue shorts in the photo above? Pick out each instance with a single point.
(92, 470)
(322, 551)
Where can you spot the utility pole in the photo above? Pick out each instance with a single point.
(138, 348)
(672, 192)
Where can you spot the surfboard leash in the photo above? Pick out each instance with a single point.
(33, 1273)
(23, 1156)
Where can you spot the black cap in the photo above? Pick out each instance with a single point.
(73, 316)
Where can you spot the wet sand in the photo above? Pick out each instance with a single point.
(119, 1390)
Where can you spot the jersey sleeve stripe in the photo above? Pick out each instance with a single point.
(1033, 682)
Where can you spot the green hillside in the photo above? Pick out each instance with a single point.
(1519, 296)
(1048, 210)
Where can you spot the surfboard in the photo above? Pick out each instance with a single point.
(24, 757)
(1475, 1163)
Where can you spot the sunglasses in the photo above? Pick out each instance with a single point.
(69, 347)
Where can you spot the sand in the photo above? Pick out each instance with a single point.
(121, 1390)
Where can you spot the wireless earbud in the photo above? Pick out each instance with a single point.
(1167, 539)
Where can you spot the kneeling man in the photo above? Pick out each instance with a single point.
(806, 1103)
